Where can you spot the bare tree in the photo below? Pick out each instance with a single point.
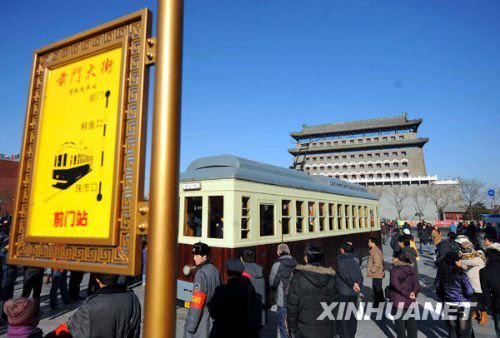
(398, 196)
(442, 195)
(420, 199)
(472, 192)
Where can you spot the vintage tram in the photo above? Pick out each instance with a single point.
(232, 204)
(71, 163)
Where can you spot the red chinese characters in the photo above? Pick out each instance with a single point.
(82, 74)
(61, 80)
(70, 218)
(90, 72)
(106, 66)
(76, 74)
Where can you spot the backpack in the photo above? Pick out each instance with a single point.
(285, 276)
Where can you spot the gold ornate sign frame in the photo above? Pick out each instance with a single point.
(122, 252)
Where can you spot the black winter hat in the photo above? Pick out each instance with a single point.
(234, 265)
(491, 237)
(107, 279)
(201, 249)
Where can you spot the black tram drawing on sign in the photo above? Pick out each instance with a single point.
(71, 163)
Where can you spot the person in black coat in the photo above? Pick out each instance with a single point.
(8, 272)
(473, 234)
(33, 281)
(490, 283)
(74, 286)
(446, 246)
(349, 280)
(234, 307)
(311, 284)
(394, 242)
(112, 311)
(255, 273)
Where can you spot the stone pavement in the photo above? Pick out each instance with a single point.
(366, 328)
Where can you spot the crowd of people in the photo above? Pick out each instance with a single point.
(466, 259)
(239, 307)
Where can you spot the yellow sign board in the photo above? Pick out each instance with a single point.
(74, 170)
(82, 162)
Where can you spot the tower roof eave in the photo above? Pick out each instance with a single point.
(357, 127)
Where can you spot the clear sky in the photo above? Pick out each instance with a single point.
(256, 70)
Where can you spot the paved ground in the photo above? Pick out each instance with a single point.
(366, 328)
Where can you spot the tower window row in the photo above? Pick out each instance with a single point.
(358, 156)
(357, 141)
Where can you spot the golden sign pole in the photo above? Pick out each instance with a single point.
(160, 308)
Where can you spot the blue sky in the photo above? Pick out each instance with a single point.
(256, 70)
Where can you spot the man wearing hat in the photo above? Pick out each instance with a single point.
(489, 239)
(235, 308)
(404, 243)
(206, 279)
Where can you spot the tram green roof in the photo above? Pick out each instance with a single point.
(228, 166)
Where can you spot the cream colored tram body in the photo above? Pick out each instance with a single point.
(233, 204)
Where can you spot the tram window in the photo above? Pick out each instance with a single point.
(192, 216)
(339, 216)
(372, 219)
(59, 160)
(216, 214)
(55, 161)
(245, 217)
(300, 217)
(285, 217)
(347, 217)
(312, 215)
(355, 219)
(64, 159)
(366, 216)
(321, 216)
(266, 220)
(331, 215)
(361, 217)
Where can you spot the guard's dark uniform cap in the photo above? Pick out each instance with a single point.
(201, 249)
(235, 265)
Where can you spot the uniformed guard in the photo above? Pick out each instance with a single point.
(207, 278)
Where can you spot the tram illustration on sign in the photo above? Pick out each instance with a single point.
(70, 164)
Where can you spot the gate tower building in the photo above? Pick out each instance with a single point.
(382, 151)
